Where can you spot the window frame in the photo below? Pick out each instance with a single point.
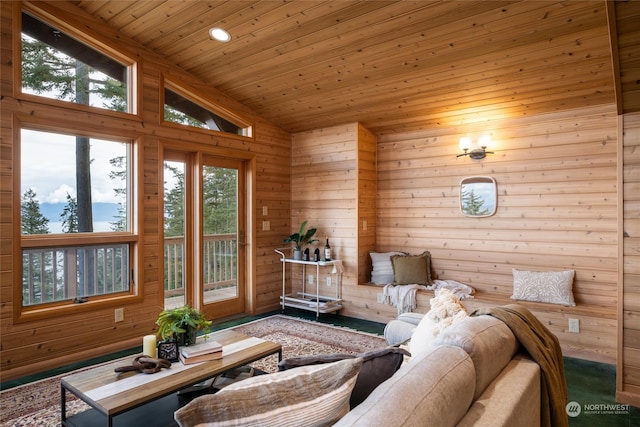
(118, 54)
(225, 113)
(59, 240)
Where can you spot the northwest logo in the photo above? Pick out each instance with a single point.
(573, 409)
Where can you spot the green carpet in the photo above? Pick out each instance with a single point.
(593, 386)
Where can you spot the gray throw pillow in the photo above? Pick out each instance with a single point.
(377, 367)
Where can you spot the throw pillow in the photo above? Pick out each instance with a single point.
(377, 367)
(446, 309)
(412, 269)
(553, 287)
(310, 395)
(382, 272)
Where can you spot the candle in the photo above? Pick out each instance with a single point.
(149, 346)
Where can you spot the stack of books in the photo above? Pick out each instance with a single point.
(201, 352)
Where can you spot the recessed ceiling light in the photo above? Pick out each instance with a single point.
(219, 34)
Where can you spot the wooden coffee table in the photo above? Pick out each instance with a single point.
(111, 394)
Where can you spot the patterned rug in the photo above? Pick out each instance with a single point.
(38, 403)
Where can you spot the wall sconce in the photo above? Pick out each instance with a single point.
(479, 151)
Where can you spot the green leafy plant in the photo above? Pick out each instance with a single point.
(176, 321)
(302, 237)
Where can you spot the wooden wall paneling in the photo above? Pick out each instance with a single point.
(29, 347)
(556, 176)
(628, 50)
(627, 14)
(366, 194)
(333, 187)
(628, 380)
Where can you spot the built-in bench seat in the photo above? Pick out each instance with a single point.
(594, 321)
(488, 299)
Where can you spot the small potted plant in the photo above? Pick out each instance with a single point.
(300, 238)
(182, 324)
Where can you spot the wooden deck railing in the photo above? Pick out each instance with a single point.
(57, 274)
(220, 266)
(60, 274)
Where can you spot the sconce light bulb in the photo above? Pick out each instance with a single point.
(484, 141)
(465, 143)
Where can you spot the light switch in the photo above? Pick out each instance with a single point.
(265, 210)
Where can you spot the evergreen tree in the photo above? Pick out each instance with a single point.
(220, 200)
(69, 216)
(472, 204)
(174, 204)
(46, 70)
(119, 173)
(33, 221)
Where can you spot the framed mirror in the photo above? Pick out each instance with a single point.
(478, 196)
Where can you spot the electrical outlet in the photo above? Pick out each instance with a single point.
(329, 282)
(118, 314)
(380, 298)
(311, 279)
(574, 325)
(266, 226)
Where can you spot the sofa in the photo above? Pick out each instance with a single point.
(473, 373)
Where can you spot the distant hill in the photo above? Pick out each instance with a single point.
(101, 211)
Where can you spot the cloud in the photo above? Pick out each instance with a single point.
(48, 166)
(59, 195)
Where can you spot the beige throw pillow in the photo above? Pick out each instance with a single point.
(309, 395)
(553, 287)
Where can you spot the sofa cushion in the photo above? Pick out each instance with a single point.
(412, 269)
(310, 395)
(553, 287)
(398, 332)
(512, 399)
(377, 366)
(382, 271)
(488, 341)
(436, 387)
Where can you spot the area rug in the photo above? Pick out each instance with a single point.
(38, 403)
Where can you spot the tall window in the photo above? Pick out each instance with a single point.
(57, 66)
(80, 186)
(76, 188)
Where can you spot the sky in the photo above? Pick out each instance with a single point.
(48, 167)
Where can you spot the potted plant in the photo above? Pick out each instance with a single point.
(300, 238)
(182, 324)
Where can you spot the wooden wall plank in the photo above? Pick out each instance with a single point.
(553, 214)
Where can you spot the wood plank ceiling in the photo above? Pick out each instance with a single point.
(394, 66)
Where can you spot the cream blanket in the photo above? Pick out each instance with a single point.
(460, 290)
(403, 297)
